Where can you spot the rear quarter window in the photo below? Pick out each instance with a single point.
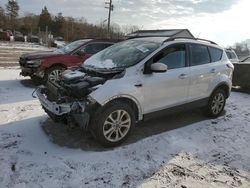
(215, 53)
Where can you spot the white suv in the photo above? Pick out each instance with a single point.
(137, 78)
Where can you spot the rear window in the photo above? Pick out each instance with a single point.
(215, 53)
(199, 55)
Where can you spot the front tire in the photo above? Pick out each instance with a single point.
(112, 125)
(216, 103)
(53, 73)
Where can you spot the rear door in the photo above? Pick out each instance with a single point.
(163, 90)
(202, 71)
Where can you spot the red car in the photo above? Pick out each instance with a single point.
(4, 36)
(47, 65)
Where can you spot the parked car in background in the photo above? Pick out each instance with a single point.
(232, 56)
(58, 42)
(246, 59)
(47, 65)
(241, 76)
(4, 35)
(18, 36)
(151, 73)
(33, 39)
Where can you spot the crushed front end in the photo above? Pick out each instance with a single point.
(67, 100)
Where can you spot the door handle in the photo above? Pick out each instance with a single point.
(138, 85)
(213, 70)
(183, 76)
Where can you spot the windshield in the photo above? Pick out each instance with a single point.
(71, 46)
(122, 55)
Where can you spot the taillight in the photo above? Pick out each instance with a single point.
(229, 65)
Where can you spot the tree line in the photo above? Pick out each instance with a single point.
(58, 25)
(242, 49)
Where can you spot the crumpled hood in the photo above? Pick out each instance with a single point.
(72, 75)
(40, 55)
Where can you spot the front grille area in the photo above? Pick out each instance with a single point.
(53, 91)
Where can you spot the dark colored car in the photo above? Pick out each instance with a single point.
(33, 39)
(48, 65)
(241, 75)
(4, 35)
(18, 36)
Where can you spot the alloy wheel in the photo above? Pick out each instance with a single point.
(117, 125)
(54, 75)
(218, 103)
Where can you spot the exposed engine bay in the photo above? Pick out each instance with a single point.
(76, 84)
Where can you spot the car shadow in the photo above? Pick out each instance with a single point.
(241, 90)
(30, 83)
(75, 138)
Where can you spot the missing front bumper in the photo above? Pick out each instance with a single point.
(72, 112)
(57, 109)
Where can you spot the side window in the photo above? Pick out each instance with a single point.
(199, 54)
(174, 57)
(216, 54)
(94, 48)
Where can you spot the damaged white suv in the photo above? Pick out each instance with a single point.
(132, 80)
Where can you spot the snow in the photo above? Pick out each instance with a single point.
(183, 150)
(21, 46)
(106, 64)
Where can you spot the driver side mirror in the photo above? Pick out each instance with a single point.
(159, 67)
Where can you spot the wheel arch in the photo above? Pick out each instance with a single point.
(128, 100)
(224, 86)
(56, 65)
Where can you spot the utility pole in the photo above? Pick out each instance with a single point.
(109, 5)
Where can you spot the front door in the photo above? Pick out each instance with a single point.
(164, 90)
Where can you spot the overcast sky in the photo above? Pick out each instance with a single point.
(224, 21)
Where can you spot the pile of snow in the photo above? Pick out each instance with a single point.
(207, 153)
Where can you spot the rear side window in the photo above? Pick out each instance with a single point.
(215, 53)
(199, 54)
(95, 48)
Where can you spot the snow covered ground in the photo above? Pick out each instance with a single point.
(184, 150)
(11, 51)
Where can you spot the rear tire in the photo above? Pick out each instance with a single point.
(112, 124)
(216, 103)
